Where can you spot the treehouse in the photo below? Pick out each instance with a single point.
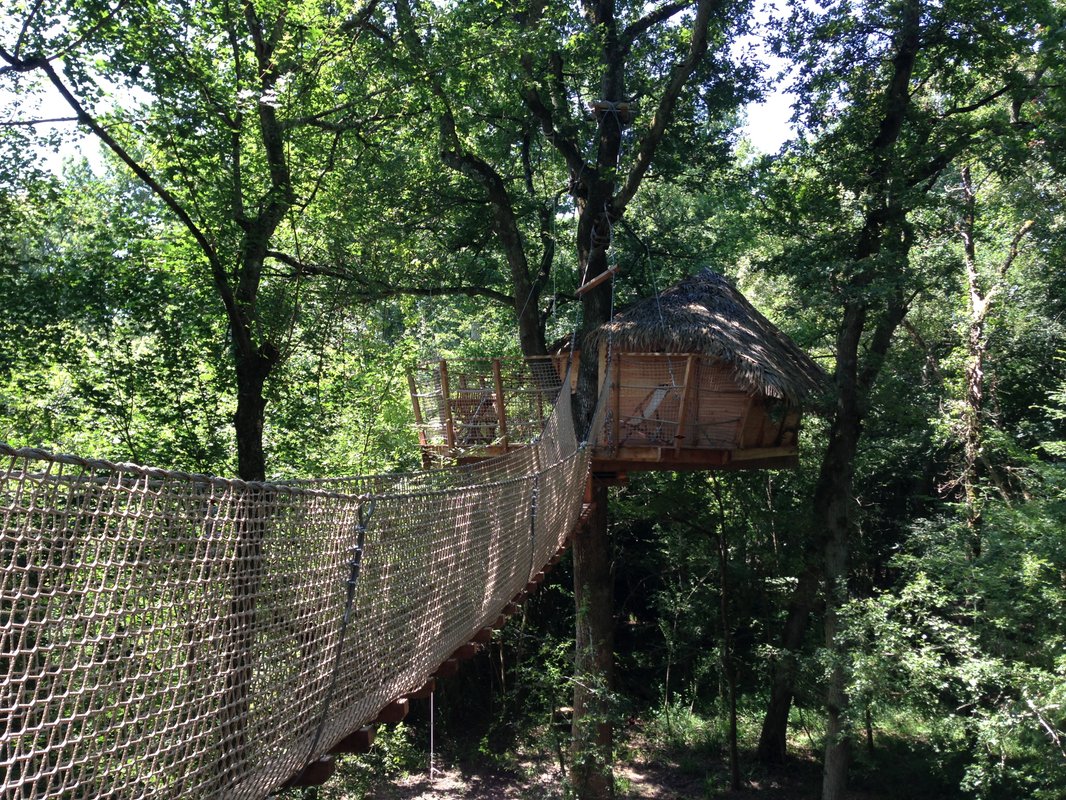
(697, 379)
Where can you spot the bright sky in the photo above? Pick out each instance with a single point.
(768, 123)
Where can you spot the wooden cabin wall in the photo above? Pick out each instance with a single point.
(770, 423)
(720, 409)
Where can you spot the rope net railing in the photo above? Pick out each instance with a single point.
(168, 635)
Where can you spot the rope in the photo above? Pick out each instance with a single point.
(354, 567)
(143, 673)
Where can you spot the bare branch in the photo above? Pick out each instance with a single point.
(26, 27)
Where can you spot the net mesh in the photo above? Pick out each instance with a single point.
(169, 635)
(477, 405)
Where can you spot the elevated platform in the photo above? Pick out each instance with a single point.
(665, 411)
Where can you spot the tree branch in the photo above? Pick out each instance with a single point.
(378, 291)
(977, 104)
(679, 76)
(649, 20)
(14, 123)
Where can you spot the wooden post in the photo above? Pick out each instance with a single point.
(539, 391)
(501, 405)
(446, 407)
(418, 409)
(592, 284)
(686, 401)
(616, 404)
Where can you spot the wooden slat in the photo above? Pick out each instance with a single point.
(393, 712)
(314, 774)
(686, 400)
(501, 406)
(425, 691)
(358, 741)
(466, 651)
(446, 407)
(447, 669)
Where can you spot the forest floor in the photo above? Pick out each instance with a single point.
(649, 772)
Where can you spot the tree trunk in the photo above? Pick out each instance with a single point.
(834, 513)
(253, 366)
(252, 371)
(591, 749)
(729, 662)
(592, 730)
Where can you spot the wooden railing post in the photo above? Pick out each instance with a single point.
(446, 406)
(422, 440)
(686, 401)
(501, 405)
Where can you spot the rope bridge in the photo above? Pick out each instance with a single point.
(169, 635)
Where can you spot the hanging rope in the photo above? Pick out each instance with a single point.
(355, 564)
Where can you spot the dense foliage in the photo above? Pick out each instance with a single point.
(303, 200)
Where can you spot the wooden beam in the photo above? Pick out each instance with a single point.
(501, 405)
(686, 401)
(314, 774)
(466, 652)
(446, 406)
(758, 453)
(447, 668)
(588, 286)
(422, 440)
(359, 741)
(393, 712)
(425, 691)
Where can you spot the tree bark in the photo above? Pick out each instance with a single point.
(252, 370)
(592, 743)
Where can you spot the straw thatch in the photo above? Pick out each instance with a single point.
(705, 314)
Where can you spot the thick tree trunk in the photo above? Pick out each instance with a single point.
(592, 732)
(592, 745)
(834, 513)
(252, 371)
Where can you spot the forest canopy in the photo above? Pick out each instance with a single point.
(295, 202)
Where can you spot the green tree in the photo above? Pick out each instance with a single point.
(891, 94)
(538, 102)
(236, 117)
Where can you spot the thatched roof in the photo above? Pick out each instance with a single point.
(705, 314)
